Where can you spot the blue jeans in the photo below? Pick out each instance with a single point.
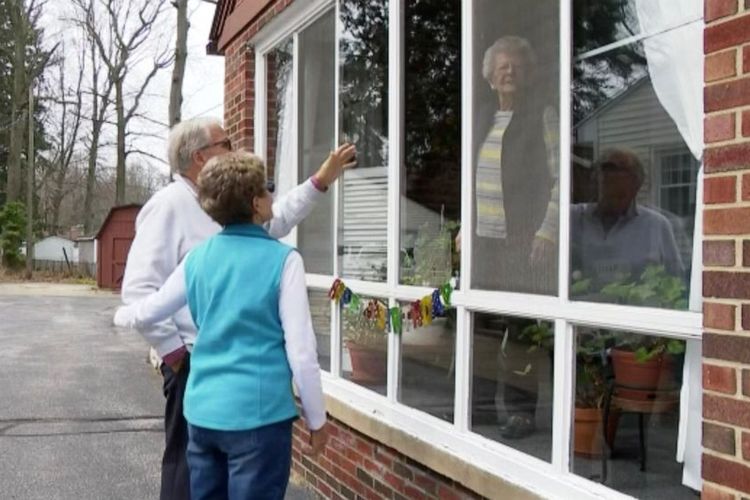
(240, 465)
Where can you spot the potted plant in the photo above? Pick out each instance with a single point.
(367, 347)
(591, 386)
(642, 361)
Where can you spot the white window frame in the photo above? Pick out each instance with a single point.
(456, 438)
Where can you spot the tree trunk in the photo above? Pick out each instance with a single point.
(180, 56)
(121, 125)
(18, 102)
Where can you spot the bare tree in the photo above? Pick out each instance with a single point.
(122, 41)
(180, 58)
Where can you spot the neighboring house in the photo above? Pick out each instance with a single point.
(405, 80)
(87, 254)
(55, 249)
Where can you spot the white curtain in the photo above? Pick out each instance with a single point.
(674, 52)
(285, 180)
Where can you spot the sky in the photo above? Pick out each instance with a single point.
(203, 89)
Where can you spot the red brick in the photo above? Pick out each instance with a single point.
(720, 65)
(729, 157)
(746, 59)
(426, 482)
(726, 410)
(746, 446)
(746, 253)
(727, 285)
(746, 187)
(716, 9)
(718, 438)
(746, 317)
(711, 493)
(735, 220)
(726, 347)
(728, 34)
(720, 189)
(719, 379)
(718, 253)
(718, 316)
(446, 492)
(726, 95)
(731, 474)
(719, 127)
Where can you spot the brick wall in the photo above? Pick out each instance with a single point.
(355, 467)
(726, 285)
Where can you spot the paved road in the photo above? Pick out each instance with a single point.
(80, 409)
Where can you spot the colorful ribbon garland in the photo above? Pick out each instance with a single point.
(421, 312)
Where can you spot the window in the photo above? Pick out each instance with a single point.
(556, 195)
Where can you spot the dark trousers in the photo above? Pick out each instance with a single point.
(240, 465)
(175, 477)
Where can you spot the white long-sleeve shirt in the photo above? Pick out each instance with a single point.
(294, 311)
(168, 226)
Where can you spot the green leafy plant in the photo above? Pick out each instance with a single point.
(591, 384)
(361, 331)
(538, 335)
(12, 222)
(434, 255)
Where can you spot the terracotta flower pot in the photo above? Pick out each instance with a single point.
(656, 373)
(369, 365)
(587, 440)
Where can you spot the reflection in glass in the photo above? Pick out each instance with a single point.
(363, 100)
(320, 310)
(631, 381)
(633, 197)
(365, 345)
(427, 362)
(431, 175)
(279, 101)
(597, 23)
(516, 178)
(317, 94)
(512, 382)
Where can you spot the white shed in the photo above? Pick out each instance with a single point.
(55, 249)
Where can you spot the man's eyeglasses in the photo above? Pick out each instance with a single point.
(225, 144)
(270, 186)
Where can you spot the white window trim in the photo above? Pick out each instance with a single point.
(496, 458)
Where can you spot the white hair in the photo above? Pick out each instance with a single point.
(186, 138)
(507, 45)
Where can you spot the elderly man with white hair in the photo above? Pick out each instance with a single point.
(169, 225)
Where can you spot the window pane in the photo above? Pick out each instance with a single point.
(512, 382)
(427, 365)
(320, 310)
(279, 102)
(600, 22)
(365, 349)
(516, 130)
(633, 382)
(363, 94)
(633, 179)
(316, 118)
(431, 174)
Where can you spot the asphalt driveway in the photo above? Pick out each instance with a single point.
(80, 408)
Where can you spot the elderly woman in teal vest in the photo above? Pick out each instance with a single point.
(247, 296)
(516, 214)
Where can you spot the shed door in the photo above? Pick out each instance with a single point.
(120, 249)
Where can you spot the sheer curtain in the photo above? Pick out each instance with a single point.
(674, 52)
(285, 149)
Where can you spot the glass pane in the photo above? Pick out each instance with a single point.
(279, 102)
(631, 218)
(516, 197)
(365, 344)
(427, 365)
(512, 382)
(316, 118)
(597, 23)
(431, 174)
(633, 382)
(363, 94)
(320, 309)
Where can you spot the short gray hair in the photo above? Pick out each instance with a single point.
(508, 45)
(186, 138)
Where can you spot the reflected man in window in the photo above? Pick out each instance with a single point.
(516, 220)
(616, 239)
